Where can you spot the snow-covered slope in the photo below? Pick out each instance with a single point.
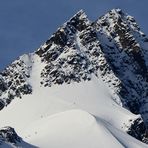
(98, 113)
(86, 86)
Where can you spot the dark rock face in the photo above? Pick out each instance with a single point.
(3, 86)
(2, 104)
(8, 134)
(9, 138)
(138, 130)
(13, 82)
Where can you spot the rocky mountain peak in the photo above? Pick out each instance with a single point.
(124, 30)
(113, 48)
(63, 35)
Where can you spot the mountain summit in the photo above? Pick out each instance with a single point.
(87, 83)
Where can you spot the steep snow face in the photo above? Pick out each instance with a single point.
(67, 72)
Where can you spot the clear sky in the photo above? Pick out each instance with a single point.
(26, 24)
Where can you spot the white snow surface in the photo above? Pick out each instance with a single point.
(76, 115)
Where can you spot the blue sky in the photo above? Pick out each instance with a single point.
(26, 24)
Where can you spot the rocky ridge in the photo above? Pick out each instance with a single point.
(9, 138)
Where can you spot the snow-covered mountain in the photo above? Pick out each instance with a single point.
(86, 86)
